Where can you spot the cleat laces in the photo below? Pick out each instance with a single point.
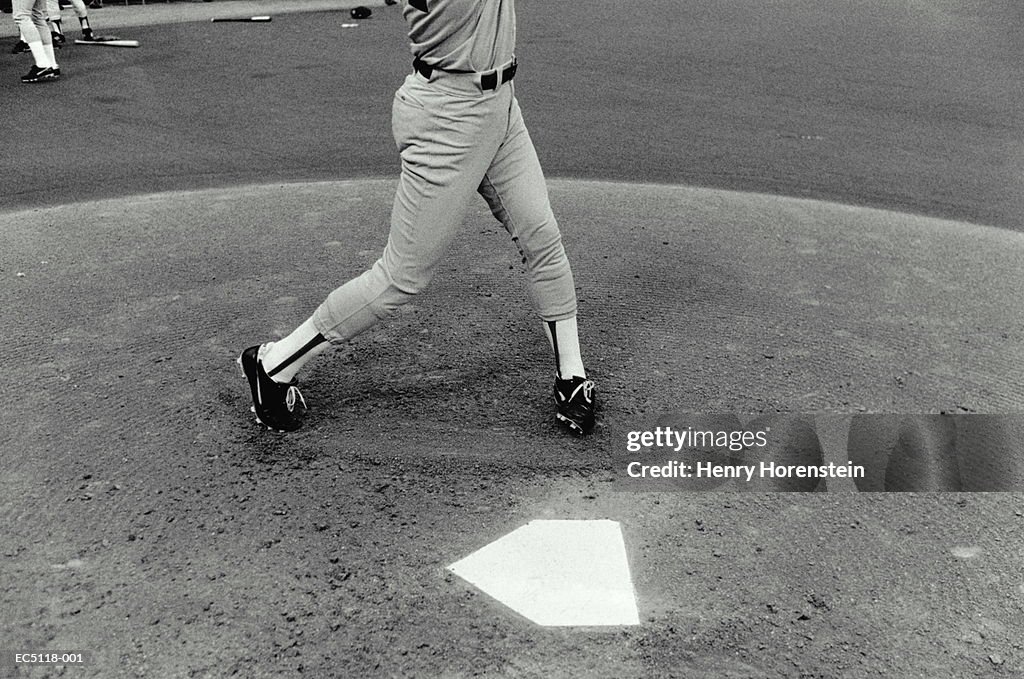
(290, 397)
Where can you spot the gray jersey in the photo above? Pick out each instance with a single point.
(462, 35)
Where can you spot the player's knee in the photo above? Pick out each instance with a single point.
(404, 280)
(547, 254)
(391, 290)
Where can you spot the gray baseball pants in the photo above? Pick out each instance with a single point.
(455, 141)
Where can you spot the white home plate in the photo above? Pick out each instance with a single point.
(558, 573)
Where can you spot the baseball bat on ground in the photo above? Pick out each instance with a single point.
(109, 42)
(259, 18)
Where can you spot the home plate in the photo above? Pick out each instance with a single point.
(558, 573)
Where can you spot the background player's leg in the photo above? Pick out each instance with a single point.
(53, 19)
(83, 18)
(31, 19)
(39, 19)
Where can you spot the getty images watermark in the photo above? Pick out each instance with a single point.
(723, 446)
(815, 452)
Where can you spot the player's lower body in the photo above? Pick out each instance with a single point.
(30, 16)
(53, 17)
(455, 142)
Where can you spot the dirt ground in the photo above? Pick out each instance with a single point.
(847, 253)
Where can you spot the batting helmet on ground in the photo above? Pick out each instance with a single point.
(361, 12)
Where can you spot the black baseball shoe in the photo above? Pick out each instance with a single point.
(20, 47)
(57, 39)
(87, 35)
(576, 403)
(39, 75)
(273, 402)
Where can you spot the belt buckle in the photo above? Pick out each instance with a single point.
(488, 80)
(491, 80)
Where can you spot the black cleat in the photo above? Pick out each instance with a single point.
(39, 75)
(576, 403)
(20, 47)
(57, 39)
(273, 402)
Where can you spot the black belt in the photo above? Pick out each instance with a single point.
(489, 80)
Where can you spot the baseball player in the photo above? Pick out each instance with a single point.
(459, 132)
(30, 15)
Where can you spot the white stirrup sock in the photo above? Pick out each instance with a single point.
(48, 50)
(39, 54)
(283, 358)
(565, 343)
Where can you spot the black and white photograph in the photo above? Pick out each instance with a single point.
(512, 339)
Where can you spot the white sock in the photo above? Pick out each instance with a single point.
(48, 50)
(39, 54)
(283, 359)
(565, 343)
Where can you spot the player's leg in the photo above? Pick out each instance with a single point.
(83, 18)
(53, 19)
(552, 289)
(442, 163)
(516, 192)
(31, 19)
(551, 283)
(39, 18)
(19, 7)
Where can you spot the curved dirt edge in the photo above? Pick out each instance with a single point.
(895, 306)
